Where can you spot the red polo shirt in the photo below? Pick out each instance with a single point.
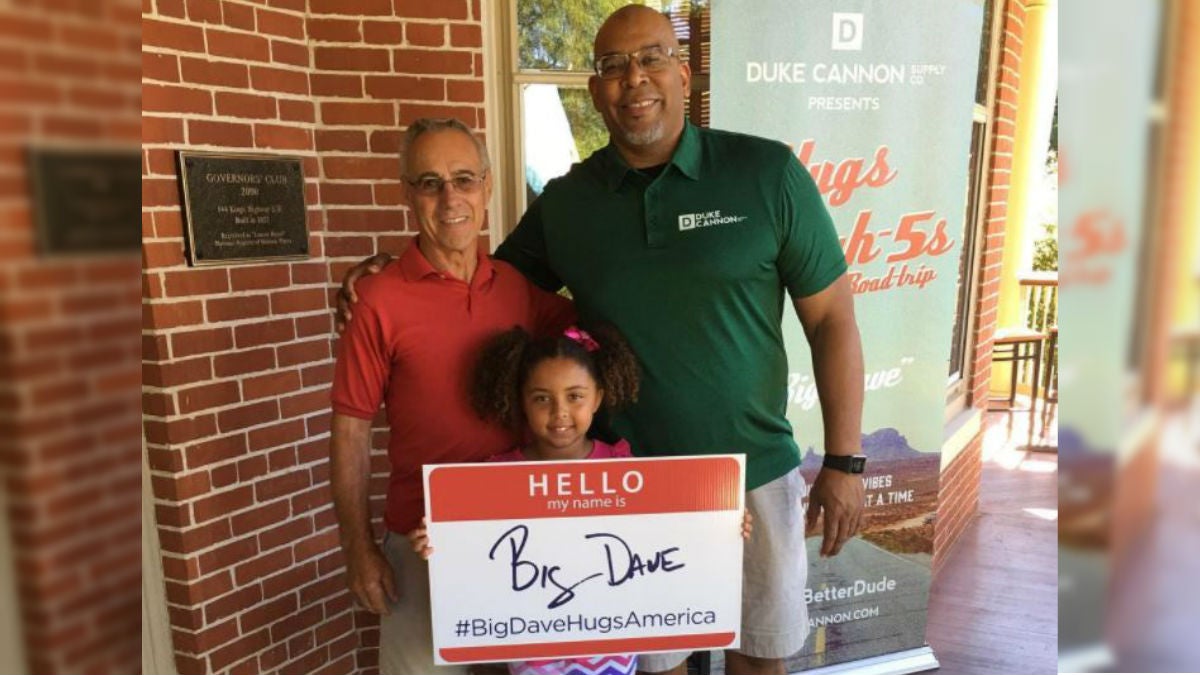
(412, 342)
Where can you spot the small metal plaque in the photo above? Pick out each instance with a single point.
(86, 200)
(243, 208)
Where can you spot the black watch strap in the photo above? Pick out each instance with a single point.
(846, 463)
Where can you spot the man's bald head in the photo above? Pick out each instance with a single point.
(632, 17)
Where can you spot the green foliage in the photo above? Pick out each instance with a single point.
(1045, 250)
(558, 34)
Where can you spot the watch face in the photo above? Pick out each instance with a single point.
(858, 464)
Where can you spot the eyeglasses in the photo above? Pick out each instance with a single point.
(464, 183)
(650, 59)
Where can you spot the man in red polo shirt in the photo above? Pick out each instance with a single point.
(411, 342)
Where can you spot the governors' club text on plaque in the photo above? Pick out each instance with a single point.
(243, 208)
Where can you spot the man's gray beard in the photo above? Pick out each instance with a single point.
(652, 135)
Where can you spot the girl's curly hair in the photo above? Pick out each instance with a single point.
(507, 359)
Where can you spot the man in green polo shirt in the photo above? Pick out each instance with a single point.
(686, 239)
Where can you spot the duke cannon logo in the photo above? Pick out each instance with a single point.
(847, 32)
(691, 221)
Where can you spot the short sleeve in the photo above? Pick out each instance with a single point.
(810, 255)
(363, 366)
(525, 249)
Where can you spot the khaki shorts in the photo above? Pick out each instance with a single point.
(774, 574)
(406, 634)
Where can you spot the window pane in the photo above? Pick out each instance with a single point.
(966, 260)
(985, 54)
(560, 128)
(558, 34)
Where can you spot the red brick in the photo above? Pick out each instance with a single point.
(298, 111)
(272, 384)
(161, 130)
(208, 396)
(260, 517)
(312, 499)
(446, 9)
(466, 35)
(303, 352)
(238, 16)
(227, 555)
(345, 193)
(289, 53)
(232, 104)
(234, 602)
(204, 11)
(364, 7)
(425, 34)
(302, 300)
(383, 32)
(237, 307)
(329, 139)
(222, 504)
(281, 486)
(180, 487)
(334, 30)
(168, 375)
(205, 341)
(309, 273)
(240, 46)
(162, 67)
(282, 138)
(205, 132)
(166, 315)
(260, 277)
(304, 404)
(402, 87)
(317, 375)
(429, 61)
(256, 334)
(314, 324)
(281, 24)
(341, 85)
(315, 545)
(239, 363)
(245, 416)
(265, 78)
(468, 91)
(236, 651)
(360, 167)
(269, 612)
(216, 450)
(351, 58)
(410, 112)
(176, 36)
(196, 282)
(356, 113)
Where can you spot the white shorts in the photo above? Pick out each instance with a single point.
(774, 574)
(406, 634)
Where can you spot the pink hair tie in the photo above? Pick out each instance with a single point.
(581, 336)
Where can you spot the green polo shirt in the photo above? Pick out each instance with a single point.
(692, 267)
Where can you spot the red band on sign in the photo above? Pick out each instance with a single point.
(504, 491)
(550, 650)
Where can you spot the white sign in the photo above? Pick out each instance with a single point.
(540, 560)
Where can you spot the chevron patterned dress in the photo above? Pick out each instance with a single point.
(624, 664)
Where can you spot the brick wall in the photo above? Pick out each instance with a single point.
(959, 489)
(69, 404)
(238, 359)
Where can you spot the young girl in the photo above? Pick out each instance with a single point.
(552, 387)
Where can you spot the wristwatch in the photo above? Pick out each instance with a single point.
(846, 463)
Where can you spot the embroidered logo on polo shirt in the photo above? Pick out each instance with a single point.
(691, 221)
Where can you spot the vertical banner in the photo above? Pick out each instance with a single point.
(876, 99)
(1105, 104)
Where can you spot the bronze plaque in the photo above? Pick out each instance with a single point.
(243, 208)
(86, 200)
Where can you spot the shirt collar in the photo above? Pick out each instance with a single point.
(686, 158)
(414, 266)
